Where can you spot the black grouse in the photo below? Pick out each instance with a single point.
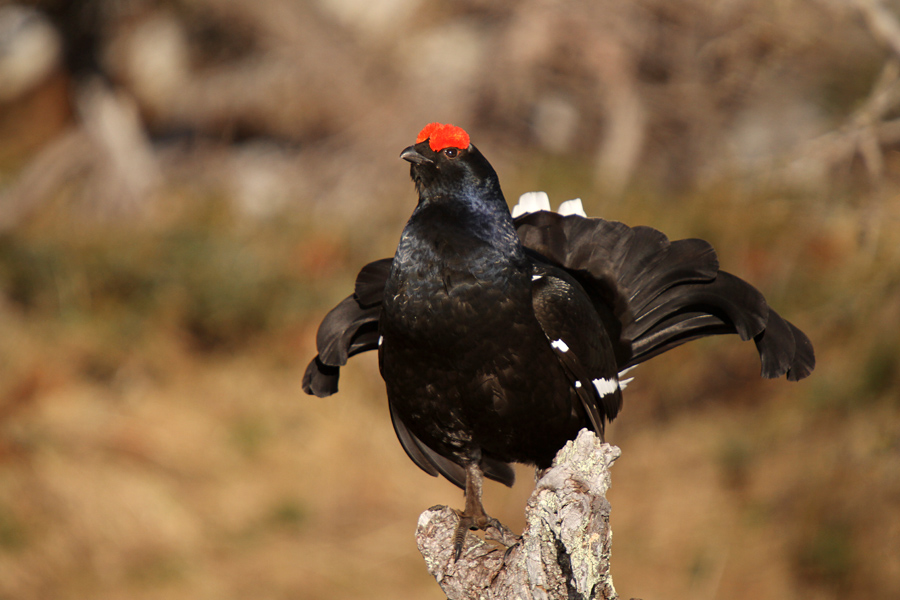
(500, 338)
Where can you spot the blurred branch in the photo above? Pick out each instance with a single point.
(885, 97)
(108, 148)
(564, 551)
(867, 132)
(881, 21)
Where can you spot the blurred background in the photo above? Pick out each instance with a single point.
(187, 186)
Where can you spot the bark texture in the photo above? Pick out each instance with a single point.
(564, 551)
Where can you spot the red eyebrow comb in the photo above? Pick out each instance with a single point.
(440, 136)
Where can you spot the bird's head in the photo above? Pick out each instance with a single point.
(444, 163)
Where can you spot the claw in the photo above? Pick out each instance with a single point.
(474, 517)
(499, 532)
(459, 538)
(493, 530)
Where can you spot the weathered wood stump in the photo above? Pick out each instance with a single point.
(564, 551)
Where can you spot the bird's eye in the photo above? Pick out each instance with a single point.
(451, 152)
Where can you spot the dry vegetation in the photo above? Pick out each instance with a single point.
(187, 186)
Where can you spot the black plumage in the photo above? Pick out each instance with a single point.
(499, 339)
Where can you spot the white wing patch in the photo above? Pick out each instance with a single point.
(380, 340)
(606, 386)
(560, 345)
(572, 207)
(530, 202)
(536, 277)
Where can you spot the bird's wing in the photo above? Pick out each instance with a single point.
(655, 294)
(578, 337)
(350, 328)
(370, 282)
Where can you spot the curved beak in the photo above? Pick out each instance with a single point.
(412, 155)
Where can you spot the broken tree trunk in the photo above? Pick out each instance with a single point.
(565, 548)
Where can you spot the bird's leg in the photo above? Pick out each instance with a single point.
(474, 517)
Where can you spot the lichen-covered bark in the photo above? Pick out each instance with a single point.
(565, 548)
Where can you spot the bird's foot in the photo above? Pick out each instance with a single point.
(466, 522)
(493, 530)
(499, 532)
